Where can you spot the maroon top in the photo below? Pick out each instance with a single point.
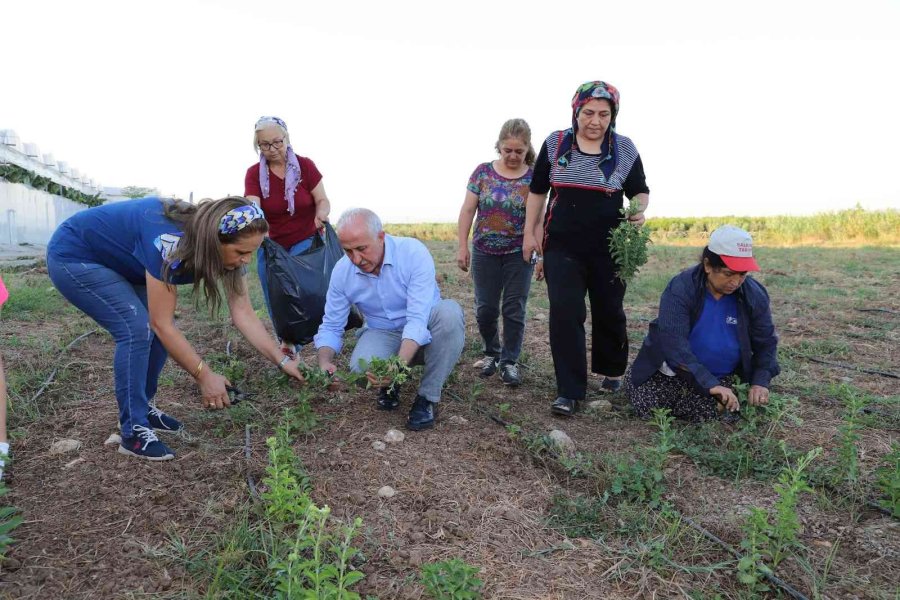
(285, 229)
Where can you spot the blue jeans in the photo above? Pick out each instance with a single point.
(298, 248)
(493, 275)
(120, 307)
(448, 336)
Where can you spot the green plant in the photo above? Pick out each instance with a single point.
(9, 520)
(641, 479)
(451, 580)
(847, 452)
(316, 378)
(888, 481)
(287, 485)
(769, 538)
(755, 543)
(17, 174)
(392, 368)
(628, 243)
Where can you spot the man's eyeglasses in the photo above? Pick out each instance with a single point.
(277, 144)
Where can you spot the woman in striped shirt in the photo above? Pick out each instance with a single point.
(589, 168)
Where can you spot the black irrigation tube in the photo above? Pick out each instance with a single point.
(785, 586)
(850, 367)
(881, 310)
(55, 370)
(788, 588)
(254, 494)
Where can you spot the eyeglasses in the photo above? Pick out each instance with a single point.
(277, 144)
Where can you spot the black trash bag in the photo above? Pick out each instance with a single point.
(298, 285)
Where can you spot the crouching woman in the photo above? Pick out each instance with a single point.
(119, 263)
(714, 326)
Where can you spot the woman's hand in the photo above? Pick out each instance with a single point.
(726, 397)
(637, 219)
(758, 396)
(529, 245)
(539, 271)
(291, 369)
(321, 216)
(212, 390)
(462, 258)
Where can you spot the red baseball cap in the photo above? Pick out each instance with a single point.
(735, 247)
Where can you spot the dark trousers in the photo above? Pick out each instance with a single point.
(509, 275)
(570, 276)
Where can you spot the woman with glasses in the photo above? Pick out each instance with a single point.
(714, 328)
(120, 263)
(289, 190)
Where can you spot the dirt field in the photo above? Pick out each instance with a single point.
(536, 523)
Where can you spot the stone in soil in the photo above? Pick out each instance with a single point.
(114, 439)
(378, 445)
(562, 441)
(387, 492)
(598, 405)
(458, 420)
(64, 446)
(393, 436)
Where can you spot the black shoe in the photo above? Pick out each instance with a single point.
(389, 398)
(564, 406)
(489, 366)
(610, 386)
(509, 374)
(422, 414)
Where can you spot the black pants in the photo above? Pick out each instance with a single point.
(570, 275)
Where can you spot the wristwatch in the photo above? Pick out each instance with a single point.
(285, 360)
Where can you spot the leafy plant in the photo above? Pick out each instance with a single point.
(9, 520)
(628, 243)
(451, 580)
(847, 452)
(641, 479)
(287, 485)
(888, 481)
(17, 174)
(393, 368)
(769, 538)
(316, 378)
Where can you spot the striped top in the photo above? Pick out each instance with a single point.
(588, 193)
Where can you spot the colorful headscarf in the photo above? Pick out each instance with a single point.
(292, 175)
(592, 90)
(238, 218)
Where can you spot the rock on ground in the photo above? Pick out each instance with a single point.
(64, 446)
(387, 492)
(562, 441)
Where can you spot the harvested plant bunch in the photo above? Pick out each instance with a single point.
(628, 244)
(393, 368)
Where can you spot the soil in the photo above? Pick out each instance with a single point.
(102, 525)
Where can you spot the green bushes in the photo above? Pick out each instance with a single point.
(16, 174)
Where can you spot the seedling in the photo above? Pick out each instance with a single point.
(628, 244)
(888, 481)
(451, 580)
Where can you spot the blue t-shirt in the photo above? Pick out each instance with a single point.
(714, 338)
(129, 237)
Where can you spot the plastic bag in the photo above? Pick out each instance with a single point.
(298, 285)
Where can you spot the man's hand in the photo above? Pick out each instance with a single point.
(726, 397)
(758, 395)
(291, 368)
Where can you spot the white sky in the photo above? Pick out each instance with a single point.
(762, 107)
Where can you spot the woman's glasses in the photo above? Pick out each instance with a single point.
(277, 144)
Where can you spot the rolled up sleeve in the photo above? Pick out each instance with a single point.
(337, 309)
(420, 295)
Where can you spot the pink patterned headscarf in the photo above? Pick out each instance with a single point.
(292, 175)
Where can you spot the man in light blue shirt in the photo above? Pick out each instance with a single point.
(391, 281)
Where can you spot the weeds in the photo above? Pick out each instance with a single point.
(393, 368)
(9, 520)
(847, 452)
(451, 580)
(768, 539)
(628, 243)
(641, 480)
(888, 481)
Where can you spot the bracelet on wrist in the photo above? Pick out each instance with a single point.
(284, 360)
(199, 368)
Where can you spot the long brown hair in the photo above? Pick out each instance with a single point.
(199, 248)
(519, 129)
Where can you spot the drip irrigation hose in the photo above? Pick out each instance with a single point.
(850, 367)
(53, 373)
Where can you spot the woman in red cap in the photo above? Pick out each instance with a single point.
(714, 327)
(588, 170)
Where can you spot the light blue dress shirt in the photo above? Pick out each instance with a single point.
(400, 297)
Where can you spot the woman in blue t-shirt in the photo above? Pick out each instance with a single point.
(497, 191)
(120, 263)
(714, 327)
